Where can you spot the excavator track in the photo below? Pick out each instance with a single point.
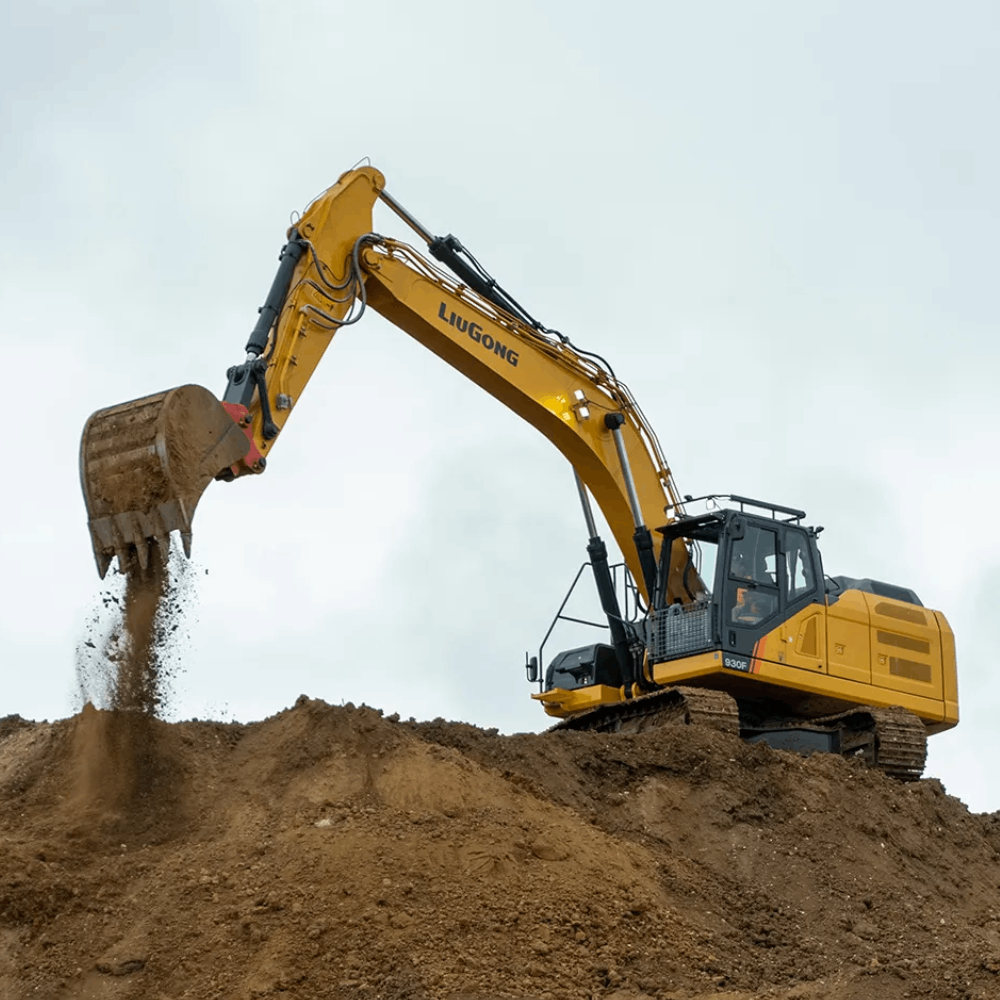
(900, 743)
(670, 706)
(891, 740)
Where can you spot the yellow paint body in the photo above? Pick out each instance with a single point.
(861, 649)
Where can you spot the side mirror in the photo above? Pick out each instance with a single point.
(531, 668)
(737, 527)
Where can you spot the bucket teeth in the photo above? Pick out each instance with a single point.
(163, 541)
(174, 515)
(127, 528)
(124, 561)
(103, 562)
(130, 535)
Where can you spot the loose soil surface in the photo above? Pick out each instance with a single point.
(331, 852)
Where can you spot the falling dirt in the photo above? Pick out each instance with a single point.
(331, 852)
(136, 688)
(124, 779)
(130, 653)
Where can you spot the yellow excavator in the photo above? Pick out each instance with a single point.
(735, 624)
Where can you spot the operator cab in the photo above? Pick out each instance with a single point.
(728, 576)
(725, 579)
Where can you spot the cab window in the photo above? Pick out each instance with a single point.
(753, 570)
(754, 557)
(800, 577)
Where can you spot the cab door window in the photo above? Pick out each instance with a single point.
(753, 573)
(800, 576)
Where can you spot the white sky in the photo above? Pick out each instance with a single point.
(778, 221)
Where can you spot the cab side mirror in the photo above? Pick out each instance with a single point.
(531, 668)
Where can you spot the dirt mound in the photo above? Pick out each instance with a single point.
(330, 852)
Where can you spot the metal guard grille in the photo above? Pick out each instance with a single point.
(680, 630)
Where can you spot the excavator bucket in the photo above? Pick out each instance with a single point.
(145, 464)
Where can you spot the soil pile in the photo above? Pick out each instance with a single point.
(331, 852)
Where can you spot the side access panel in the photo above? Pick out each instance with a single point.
(848, 628)
(906, 647)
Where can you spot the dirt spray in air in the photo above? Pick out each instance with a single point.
(124, 679)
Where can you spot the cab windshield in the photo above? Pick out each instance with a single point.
(694, 557)
(753, 577)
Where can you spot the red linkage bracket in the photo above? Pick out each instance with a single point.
(254, 460)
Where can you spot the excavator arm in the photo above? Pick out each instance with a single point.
(331, 270)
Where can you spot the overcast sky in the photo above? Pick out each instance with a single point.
(778, 221)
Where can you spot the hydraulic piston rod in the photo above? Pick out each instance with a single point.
(642, 537)
(598, 553)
